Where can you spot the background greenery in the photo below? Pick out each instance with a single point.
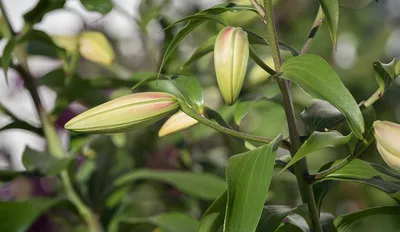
(121, 176)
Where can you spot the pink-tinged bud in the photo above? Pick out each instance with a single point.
(231, 54)
(95, 47)
(125, 113)
(387, 136)
(177, 122)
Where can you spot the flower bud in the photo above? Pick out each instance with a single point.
(125, 113)
(231, 54)
(95, 47)
(69, 43)
(177, 122)
(387, 136)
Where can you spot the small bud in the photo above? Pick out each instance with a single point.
(95, 47)
(387, 136)
(69, 43)
(231, 54)
(177, 122)
(125, 113)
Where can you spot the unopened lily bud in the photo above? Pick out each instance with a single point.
(95, 47)
(177, 122)
(231, 54)
(69, 43)
(387, 136)
(125, 113)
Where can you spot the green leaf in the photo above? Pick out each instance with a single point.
(344, 222)
(385, 74)
(201, 51)
(171, 222)
(316, 142)
(248, 177)
(213, 218)
(188, 87)
(19, 215)
(288, 227)
(320, 190)
(7, 56)
(331, 11)
(368, 173)
(315, 76)
(254, 39)
(193, 24)
(203, 17)
(43, 7)
(272, 217)
(205, 186)
(44, 163)
(241, 110)
(355, 4)
(102, 6)
(320, 115)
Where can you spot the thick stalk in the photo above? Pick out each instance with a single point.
(53, 140)
(301, 168)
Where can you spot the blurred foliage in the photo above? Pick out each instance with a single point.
(152, 200)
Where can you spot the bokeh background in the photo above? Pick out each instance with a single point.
(135, 29)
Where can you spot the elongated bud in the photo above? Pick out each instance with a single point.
(231, 54)
(177, 122)
(125, 113)
(95, 47)
(387, 136)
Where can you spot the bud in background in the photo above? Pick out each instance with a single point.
(177, 122)
(387, 136)
(125, 113)
(69, 43)
(231, 54)
(397, 69)
(95, 47)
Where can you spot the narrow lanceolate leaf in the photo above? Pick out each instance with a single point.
(7, 56)
(367, 173)
(194, 23)
(385, 74)
(213, 218)
(331, 11)
(318, 141)
(171, 222)
(343, 223)
(202, 50)
(205, 186)
(315, 76)
(248, 177)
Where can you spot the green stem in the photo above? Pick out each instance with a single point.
(301, 168)
(53, 140)
(189, 111)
